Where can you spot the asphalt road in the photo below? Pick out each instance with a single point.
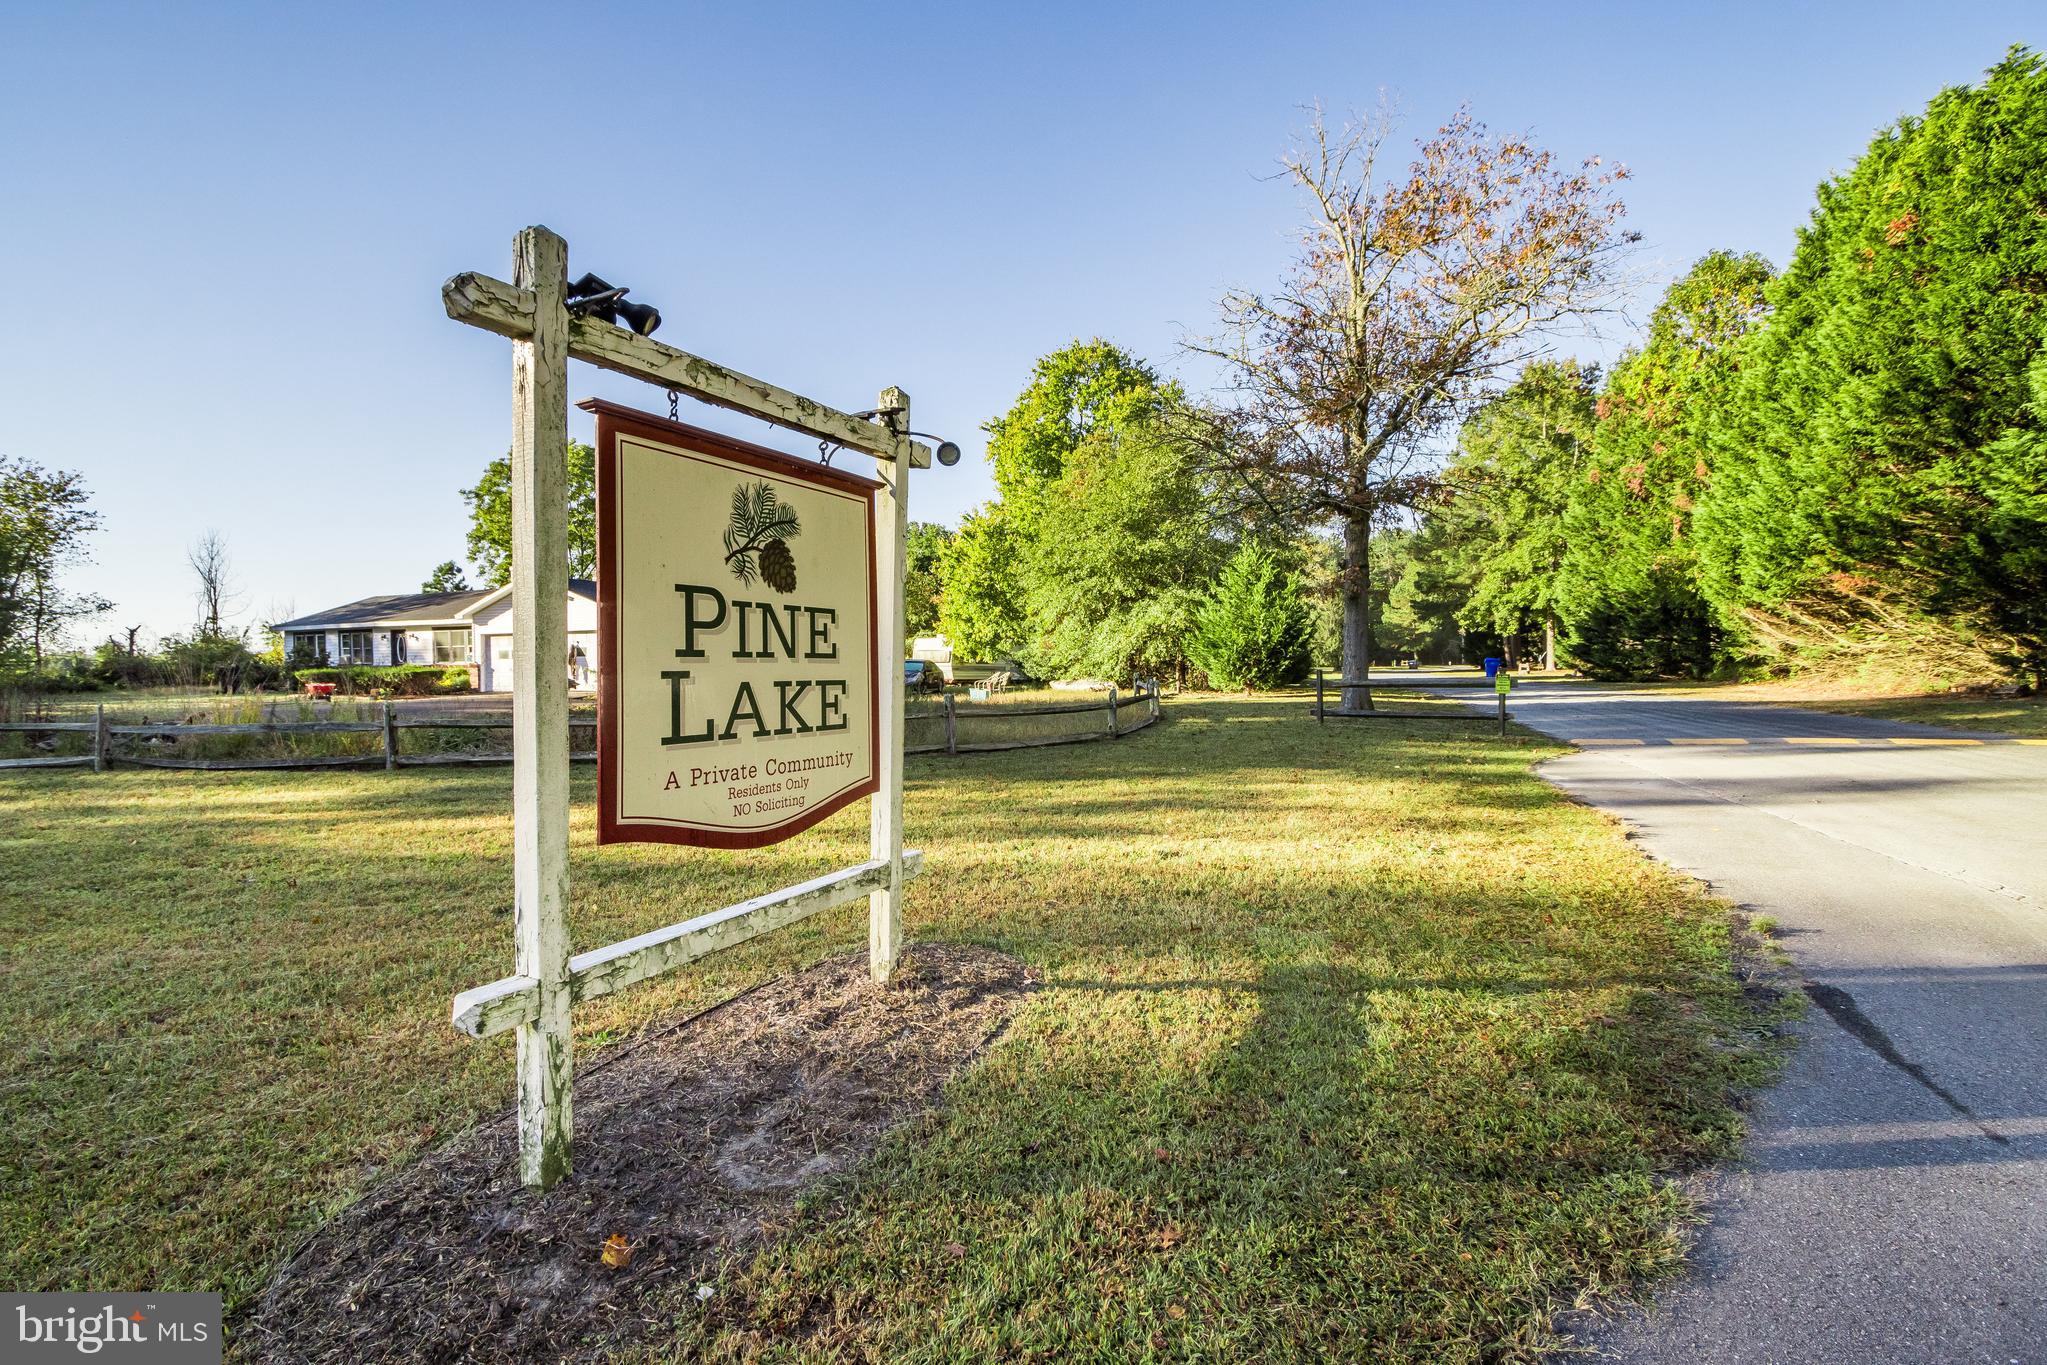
(1892, 1205)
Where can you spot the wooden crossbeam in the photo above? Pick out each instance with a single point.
(513, 1001)
(507, 310)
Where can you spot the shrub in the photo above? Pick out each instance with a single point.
(1254, 629)
(398, 680)
(63, 673)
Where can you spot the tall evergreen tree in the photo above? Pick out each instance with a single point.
(1254, 629)
(1498, 525)
(1628, 582)
(1880, 450)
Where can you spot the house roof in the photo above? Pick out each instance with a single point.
(415, 607)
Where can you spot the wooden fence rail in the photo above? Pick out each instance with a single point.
(1322, 713)
(390, 755)
(1147, 694)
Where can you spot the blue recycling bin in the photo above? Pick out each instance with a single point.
(1492, 667)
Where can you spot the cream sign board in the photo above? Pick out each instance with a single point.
(737, 695)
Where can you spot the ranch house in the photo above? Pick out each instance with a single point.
(455, 629)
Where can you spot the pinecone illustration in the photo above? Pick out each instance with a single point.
(755, 540)
(778, 566)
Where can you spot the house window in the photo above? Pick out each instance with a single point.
(451, 646)
(309, 648)
(358, 647)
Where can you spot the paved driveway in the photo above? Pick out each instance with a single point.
(1893, 1204)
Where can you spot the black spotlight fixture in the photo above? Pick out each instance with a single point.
(948, 454)
(642, 318)
(592, 297)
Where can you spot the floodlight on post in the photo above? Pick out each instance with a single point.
(947, 454)
(639, 318)
(593, 297)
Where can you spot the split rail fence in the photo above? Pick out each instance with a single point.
(1114, 710)
(106, 752)
(1323, 687)
(113, 745)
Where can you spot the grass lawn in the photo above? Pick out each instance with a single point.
(2022, 716)
(1355, 1039)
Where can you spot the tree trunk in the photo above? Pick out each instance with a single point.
(1510, 645)
(1357, 610)
(1549, 642)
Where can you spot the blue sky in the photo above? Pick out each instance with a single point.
(228, 225)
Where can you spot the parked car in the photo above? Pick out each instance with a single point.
(921, 675)
(979, 673)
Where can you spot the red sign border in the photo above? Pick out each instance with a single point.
(613, 421)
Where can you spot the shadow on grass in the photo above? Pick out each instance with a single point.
(1365, 1168)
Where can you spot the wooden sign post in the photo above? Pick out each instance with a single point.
(532, 311)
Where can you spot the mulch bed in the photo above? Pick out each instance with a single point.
(692, 1144)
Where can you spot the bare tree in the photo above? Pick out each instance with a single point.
(1413, 293)
(217, 594)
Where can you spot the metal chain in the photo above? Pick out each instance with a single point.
(675, 405)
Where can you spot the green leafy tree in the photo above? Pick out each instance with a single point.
(980, 605)
(1877, 455)
(922, 552)
(1082, 391)
(446, 577)
(13, 598)
(2006, 550)
(490, 517)
(1078, 391)
(211, 658)
(1126, 546)
(44, 520)
(1497, 527)
(1629, 581)
(1253, 630)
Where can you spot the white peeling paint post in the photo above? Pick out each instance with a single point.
(540, 703)
(535, 1001)
(891, 533)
